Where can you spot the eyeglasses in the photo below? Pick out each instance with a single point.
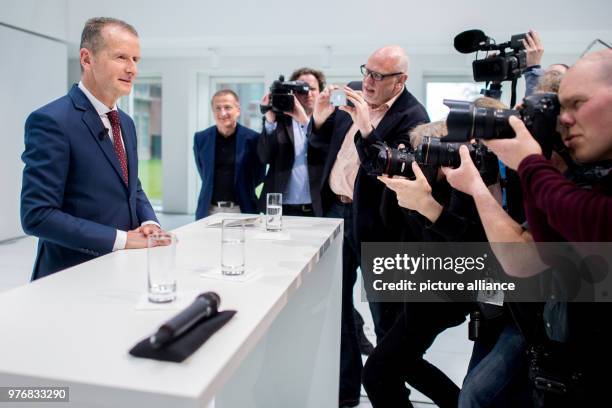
(594, 42)
(377, 76)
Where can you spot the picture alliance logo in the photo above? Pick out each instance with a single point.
(411, 264)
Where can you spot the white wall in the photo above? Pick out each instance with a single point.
(193, 26)
(47, 17)
(32, 73)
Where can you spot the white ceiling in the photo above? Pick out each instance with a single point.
(249, 27)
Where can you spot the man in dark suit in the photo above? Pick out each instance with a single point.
(81, 194)
(226, 158)
(295, 165)
(382, 111)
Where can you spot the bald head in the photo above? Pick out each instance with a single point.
(391, 65)
(394, 56)
(600, 62)
(586, 101)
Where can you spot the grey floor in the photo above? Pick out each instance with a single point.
(450, 352)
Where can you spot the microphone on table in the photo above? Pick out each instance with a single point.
(205, 306)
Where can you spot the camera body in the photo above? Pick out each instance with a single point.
(539, 112)
(281, 95)
(508, 65)
(390, 161)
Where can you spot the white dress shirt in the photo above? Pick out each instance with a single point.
(102, 110)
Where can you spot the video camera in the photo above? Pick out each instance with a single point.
(505, 66)
(281, 95)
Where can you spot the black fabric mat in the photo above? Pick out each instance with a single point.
(185, 345)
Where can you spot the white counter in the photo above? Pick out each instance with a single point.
(281, 349)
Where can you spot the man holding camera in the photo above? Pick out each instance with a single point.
(295, 165)
(382, 111)
(554, 204)
(558, 209)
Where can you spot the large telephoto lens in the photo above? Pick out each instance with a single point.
(438, 153)
(466, 122)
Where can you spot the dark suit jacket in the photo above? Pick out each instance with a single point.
(73, 197)
(402, 117)
(248, 171)
(278, 151)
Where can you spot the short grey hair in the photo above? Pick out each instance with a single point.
(91, 37)
(224, 92)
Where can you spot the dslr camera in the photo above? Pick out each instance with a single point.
(281, 95)
(539, 112)
(508, 65)
(431, 154)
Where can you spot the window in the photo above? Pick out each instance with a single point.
(439, 88)
(144, 106)
(250, 91)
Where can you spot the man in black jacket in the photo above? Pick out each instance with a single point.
(382, 111)
(295, 165)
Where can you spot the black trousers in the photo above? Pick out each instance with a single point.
(398, 358)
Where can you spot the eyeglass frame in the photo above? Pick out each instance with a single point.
(593, 43)
(366, 72)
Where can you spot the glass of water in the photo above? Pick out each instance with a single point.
(274, 212)
(161, 267)
(232, 247)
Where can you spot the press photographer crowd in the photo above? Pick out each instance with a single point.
(540, 172)
(366, 152)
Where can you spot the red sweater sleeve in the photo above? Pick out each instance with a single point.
(579, 215)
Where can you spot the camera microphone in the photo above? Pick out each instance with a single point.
(470, 41)
(205, 306)
(102, 134)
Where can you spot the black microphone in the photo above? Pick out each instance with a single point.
(102, 134)
(470, 41)
(205, 306)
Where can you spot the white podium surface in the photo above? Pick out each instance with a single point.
(74, 328)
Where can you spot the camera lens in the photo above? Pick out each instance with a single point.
(433, 152)
(389, 161)
(466, 121)
(400, 163)
(492, 123)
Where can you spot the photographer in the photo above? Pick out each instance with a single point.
(536, 80)
(481, 386)
(428, 211)
(382, 110)
(561, 210)
(295, 165)
(557, 208)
